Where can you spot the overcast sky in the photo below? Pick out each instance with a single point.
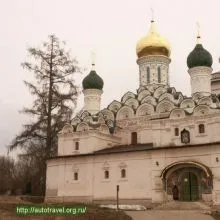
(111, 28)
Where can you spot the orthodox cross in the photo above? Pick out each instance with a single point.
(198, 33)
(93, 59)
(152, 15)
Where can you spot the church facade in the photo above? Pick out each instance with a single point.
(155, 144)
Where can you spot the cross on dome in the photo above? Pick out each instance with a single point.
(152, 15)
(198, 33)
(93, 59)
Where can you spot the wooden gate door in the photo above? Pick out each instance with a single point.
(190, 187)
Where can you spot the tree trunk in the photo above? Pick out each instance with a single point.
(50, 96)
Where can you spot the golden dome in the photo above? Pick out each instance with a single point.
(153, 44)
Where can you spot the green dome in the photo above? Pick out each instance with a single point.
(92, 81)
(199, 57)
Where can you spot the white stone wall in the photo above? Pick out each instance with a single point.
(153, 62)
(205, 155)
(89, 141)
(200, 80)
(52, 179)
(143, 173)
(70, 187)
(136, 185)
(91, 176)
(159, 132)
(143, 180)
(92, 100)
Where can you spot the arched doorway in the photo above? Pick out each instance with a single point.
(187, 181)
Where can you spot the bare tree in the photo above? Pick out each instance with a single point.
(55, 95)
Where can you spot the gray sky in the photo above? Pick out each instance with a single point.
(112, 28)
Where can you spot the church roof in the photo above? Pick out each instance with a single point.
(215, 77)
(134, 148)
(125, 148)
(152, 102)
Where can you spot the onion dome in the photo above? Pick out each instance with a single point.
(153, 44)
(199, 56)
(92, 81)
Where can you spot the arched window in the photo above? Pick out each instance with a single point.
(201, 128)
(134, 138)
(159, 74)
(106, 174)
(176, 131)
(148, 74)
(77, 145)
(123, 173)
(75, 176)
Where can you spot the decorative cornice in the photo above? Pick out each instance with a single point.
(135, 149)
(153, 59)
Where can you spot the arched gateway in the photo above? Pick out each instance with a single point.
(187, 181)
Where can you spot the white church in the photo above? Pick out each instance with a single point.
(156, 144)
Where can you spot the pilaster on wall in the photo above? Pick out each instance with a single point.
(216, 191)
(216, 184)
(157, 188)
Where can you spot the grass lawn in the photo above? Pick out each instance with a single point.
(93, 213)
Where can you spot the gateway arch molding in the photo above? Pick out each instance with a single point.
(193, 181)
(177, 165)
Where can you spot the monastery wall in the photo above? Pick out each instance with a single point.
(135, 185)
(143, 179)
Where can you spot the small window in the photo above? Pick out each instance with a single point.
(201, 128)
(176, 131)
(123, 173)
(77, 145)
(159, 74)
(134, 138)
(148, 74)
(75, 176)
(106, 174)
